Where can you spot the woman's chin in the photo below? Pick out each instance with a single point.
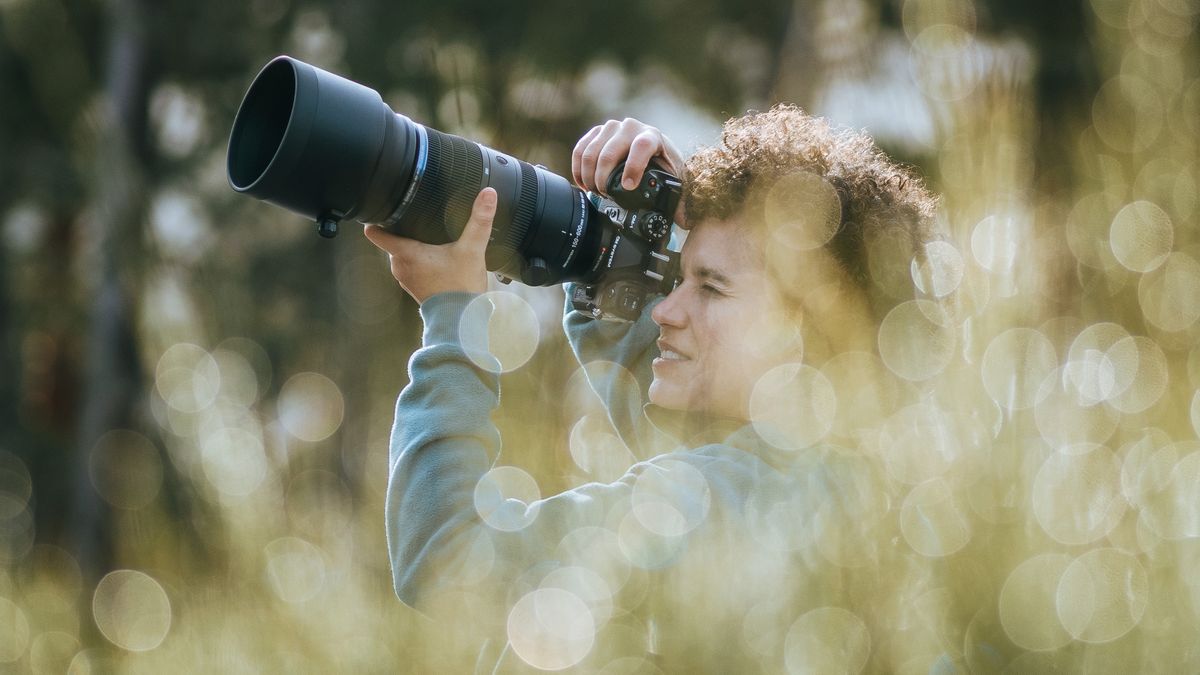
(665, 395)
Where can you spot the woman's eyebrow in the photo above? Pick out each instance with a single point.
(706, 272)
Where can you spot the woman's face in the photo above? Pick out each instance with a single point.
(722, 328)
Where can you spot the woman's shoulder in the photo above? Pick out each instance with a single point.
(727, 472)
(828, 470)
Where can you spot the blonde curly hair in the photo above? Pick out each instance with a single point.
(878, 197)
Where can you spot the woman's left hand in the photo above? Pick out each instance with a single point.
(603, 147)
(424, 270)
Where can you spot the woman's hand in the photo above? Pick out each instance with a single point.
(424, 270)
(602, 148)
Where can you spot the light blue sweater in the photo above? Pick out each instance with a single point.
(715, 494)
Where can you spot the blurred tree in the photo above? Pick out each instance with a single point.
(112, 380)
(1067, 75)
(47, 90)
(8, 365)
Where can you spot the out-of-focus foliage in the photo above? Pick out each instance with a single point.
(224, 510)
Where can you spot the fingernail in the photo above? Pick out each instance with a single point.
(628, 183)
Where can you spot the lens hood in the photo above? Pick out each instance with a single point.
(312, 142)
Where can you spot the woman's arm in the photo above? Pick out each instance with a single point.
(631, 346)
(444, 443)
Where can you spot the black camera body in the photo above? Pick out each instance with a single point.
(330, 149)
(635, 262)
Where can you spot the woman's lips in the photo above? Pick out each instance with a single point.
(670, 352)
(668, 357)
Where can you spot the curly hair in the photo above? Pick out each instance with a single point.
(761, 150)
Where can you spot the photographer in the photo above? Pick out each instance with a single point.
(781, 215)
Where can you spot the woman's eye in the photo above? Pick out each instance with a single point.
(705, 288)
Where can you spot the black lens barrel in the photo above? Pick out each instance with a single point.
(330, 149)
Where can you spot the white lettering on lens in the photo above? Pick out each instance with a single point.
(578, 230)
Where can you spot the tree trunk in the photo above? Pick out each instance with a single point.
(8, 363)
(112, 376)
(797, 67)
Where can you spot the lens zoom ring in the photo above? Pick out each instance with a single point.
(452, 172)
(523, 215)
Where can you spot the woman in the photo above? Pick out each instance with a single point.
(790, 224)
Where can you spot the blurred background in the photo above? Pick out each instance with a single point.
(196, 390)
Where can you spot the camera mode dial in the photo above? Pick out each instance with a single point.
(655, 226)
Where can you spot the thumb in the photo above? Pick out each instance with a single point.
(479, 225)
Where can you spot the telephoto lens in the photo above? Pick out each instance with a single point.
(330, 149)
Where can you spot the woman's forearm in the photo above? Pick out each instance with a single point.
(443, 441)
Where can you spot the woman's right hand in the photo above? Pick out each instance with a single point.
(604, 147)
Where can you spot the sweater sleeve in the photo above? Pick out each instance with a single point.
(443, 440)
(445, 535)
(631, 345)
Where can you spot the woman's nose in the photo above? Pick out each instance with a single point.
(669, 312)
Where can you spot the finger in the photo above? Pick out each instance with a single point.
(615, 150)
(479, 226)
(382, 239)
(400, 249)
(577, 155)
(676, 164)
(645, 145)
(591, 155)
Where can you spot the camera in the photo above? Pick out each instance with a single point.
(330, 149)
